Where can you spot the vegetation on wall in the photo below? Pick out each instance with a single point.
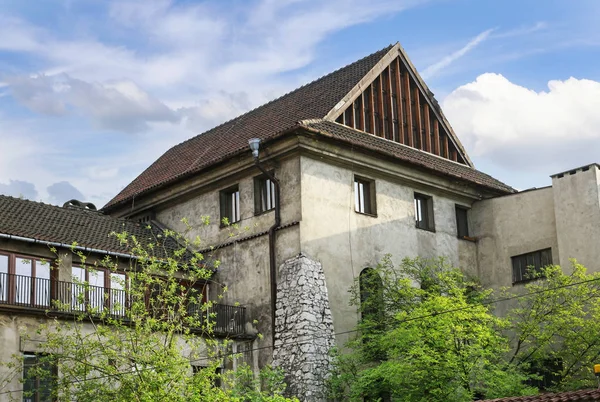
(429, 333)
(155, 343)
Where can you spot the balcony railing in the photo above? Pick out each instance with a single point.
(68, 297)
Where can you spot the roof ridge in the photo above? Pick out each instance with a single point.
(98, 213)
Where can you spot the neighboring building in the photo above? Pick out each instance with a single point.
(367, 165)
(40, 265)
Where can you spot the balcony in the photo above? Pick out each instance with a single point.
(27, 294)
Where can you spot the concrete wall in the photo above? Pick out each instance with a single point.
(509, 226)
(244, 262)
(345, 242)
(577, 211)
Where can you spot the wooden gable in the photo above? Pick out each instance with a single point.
(393, 102)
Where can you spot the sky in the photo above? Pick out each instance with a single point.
(93, 91)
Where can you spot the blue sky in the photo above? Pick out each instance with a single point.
(93, 91)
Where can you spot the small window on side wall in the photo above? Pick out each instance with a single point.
(424, 212)
(264, 194)
(527, 266)
(364, 196)
(230, 205)
(462, 222)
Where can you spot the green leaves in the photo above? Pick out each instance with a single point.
(432, 340)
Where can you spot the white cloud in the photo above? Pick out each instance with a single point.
(433, 69)
(119, 106)
(520, 129)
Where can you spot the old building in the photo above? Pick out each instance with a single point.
(48, 255)
(350, 167)
(366, 164)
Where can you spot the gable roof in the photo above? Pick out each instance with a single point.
(315, 99)
(323, 99)
(90, 229)
(436, 164)
(409, 107)
(584, 395)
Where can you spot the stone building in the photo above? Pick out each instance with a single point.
(355, 165)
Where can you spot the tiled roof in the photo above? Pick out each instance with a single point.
(570, 396)
(413, 156)
(90, 229)
(313, 100)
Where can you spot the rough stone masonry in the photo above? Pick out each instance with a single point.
(303, 328)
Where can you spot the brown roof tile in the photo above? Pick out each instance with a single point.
(583, 395)
(90, 229)
(407, 154)
(313, 100)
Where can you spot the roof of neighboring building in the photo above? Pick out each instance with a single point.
(583, 395)
(90, 229)
(405, 153)
(313, 100)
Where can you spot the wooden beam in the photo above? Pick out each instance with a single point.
(390, 108)
(446, 151)
(454, 155)
(361, 112)
(409, 120)
(427, 127)
(351, 122)
(380, 106)
(399, 103)
(372, 108)
(418, 124)
(436, 136)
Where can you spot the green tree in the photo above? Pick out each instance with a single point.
(556, 327)
(141, 347)
(409, 348)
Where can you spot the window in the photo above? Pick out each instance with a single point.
(462, 222)
(424, 212)
(371, 293)
(24, 280)
(364, 196)
(39, 374)
(525, 266)
(264, 194)
(97, 288)
(230, 205)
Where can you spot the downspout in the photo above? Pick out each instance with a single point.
(272, 260)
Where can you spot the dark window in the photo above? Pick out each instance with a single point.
(527, 266)
(371, 296)
(230, 205)
(462, 222)
(364, 196)
(424, 212)
(39, 374)
(264, 194)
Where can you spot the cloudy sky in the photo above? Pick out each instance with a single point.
(93, 91)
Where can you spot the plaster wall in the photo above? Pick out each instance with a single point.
(577, 211)
(244, 261)
(345, 242)
(508, 226)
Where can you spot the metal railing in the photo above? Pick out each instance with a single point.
(70, 297)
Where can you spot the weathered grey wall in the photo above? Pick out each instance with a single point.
(577, 211)
(304, 328)
(511, 225)
(244, 268)
(346, 242)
